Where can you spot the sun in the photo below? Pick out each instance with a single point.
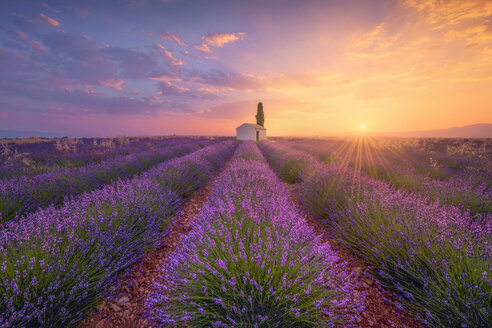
(362, 126)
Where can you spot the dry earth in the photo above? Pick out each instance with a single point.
(126, 309)
(378, 313)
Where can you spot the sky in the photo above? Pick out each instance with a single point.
(153, 67)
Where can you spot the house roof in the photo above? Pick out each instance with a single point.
(256, 126)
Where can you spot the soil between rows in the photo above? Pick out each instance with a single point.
(126, 310)
(378, 313)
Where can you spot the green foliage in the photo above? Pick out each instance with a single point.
(434, 279)
(277, 313)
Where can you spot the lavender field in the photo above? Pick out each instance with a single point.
(213, 232)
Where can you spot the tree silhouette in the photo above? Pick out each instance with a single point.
(260, 116)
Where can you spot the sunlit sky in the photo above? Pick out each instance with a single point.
(200, 67)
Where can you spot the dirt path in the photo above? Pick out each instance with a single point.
(126, 309)
(378, 313)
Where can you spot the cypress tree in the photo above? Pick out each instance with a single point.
(260, 116)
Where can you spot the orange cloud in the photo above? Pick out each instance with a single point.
(474, 35)
(447, 13)
(214, 39)
(375, 44)
(47, 20)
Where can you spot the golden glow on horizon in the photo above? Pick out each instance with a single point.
(362, 126)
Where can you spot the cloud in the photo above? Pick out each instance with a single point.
(31, 43)
(221, 39)
(219, 80)
(61, 69)
(169, 89)
(168, 36)
(441, 40)
(133, 63)
(167, 54)
(449, 13)
(218, 40)
(113, 83)
(47, 20)
(227, 80)
(83, 60)
(76, 101)
(212, 39)
(376, 43)
(478, 34)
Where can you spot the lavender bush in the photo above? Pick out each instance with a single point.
(463, 182)
(23, 195)
(25, 157)
(436, 259)
(252, 261)
(57, 262)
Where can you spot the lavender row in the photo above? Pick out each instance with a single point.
(436, 158)
(436, 259)
(52, 151)
(32, 158)
(469, 188)
(56, 263)
(251, 260)
(22, 195)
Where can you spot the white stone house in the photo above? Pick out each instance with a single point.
(248, 131)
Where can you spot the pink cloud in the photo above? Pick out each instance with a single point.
(31, 43)
(113, 83)
(224, 80)
(167, 54)
(47, 20)
(168, 36)
(169, 89)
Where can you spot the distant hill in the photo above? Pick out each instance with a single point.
(469, 131)
(12, 134)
